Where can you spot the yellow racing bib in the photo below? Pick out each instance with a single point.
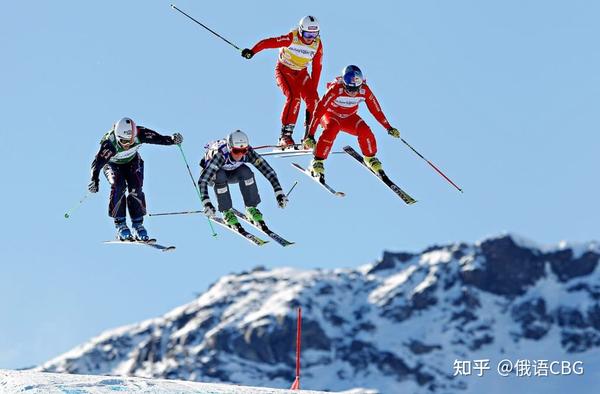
(298, 54)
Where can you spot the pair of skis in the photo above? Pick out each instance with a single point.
(261, 226)
(151, 243)
(380, 175)
(239, 230)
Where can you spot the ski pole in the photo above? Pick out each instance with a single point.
(175, 213)
(194, 212)
(116, 208)
(432, 165)
(207, 28)
(76, 206)
(214, 234)
(292, 188)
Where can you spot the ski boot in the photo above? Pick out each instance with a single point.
(230, 219)
(316, 168)
(123, 232)
(254, 215)
(374, 164)
(285, 140)
(140, 233)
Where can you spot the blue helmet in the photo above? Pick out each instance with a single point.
(352, 77)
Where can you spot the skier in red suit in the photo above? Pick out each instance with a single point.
(337, 112)
(298, 48)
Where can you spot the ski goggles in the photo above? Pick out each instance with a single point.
(239, 151)
(352, 89)
(310, 35)
(125, 142)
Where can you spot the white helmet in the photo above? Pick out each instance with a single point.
(125, 132)
(308, 27)
(238, 141)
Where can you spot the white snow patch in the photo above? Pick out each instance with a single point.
(429, 281)
(390, 284)
(579, 248)
(436, 257)
(555, 293)
(53, 383)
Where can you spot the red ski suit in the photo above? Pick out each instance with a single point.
(337, 112)
(291, 74)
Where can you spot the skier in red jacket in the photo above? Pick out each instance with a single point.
(337, 112)
(297, 48)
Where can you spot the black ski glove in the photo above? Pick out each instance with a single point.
(282, 199)
(393, 132)
(94, 186)
(247, 53)
(177, 138)
(209, 209)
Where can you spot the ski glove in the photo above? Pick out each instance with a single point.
(394, 132)
(177, 138)
(247, 53)
(282, 199)
(93, 186)
(209, 209)
(309, 142)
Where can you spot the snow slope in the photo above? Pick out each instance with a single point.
(50, 383)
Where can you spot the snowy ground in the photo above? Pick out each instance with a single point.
(50, 383)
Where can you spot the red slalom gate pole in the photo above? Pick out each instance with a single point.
(296, 384)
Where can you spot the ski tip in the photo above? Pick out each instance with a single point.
(340, 194)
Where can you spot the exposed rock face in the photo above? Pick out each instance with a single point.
(402, 319)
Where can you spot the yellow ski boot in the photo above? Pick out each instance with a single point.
(373, 163)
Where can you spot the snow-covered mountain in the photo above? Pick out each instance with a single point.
(397, 325)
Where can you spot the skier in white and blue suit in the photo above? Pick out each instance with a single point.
(123, 167)
(224, 164)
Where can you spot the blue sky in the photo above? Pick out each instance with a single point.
(502, 96)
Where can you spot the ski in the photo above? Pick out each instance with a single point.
(239, 230)
(381, 176)
(288, 152)
(151, 243)
(263, 227)
(280, 148)
(320, 180)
